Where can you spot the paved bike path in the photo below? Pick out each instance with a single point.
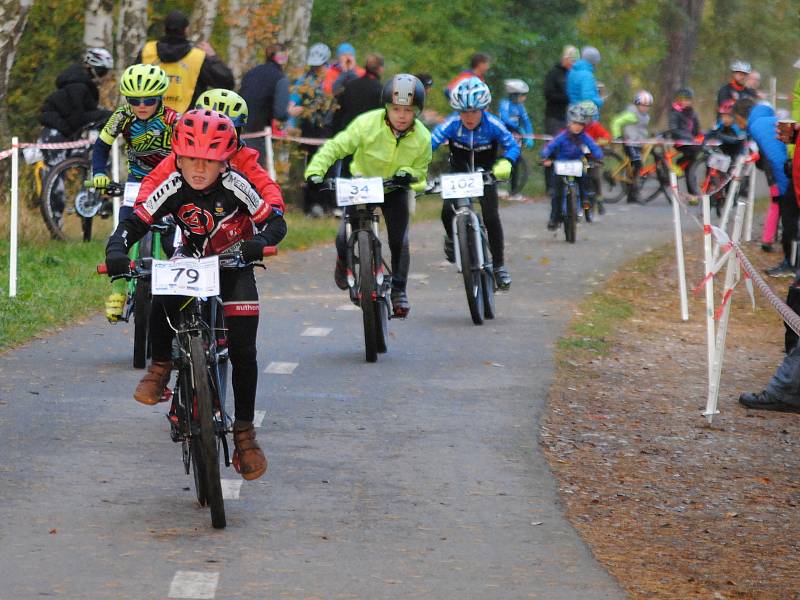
(416, 477)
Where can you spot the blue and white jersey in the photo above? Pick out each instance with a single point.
(483, 141)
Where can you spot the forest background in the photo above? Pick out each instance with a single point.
(653, 44)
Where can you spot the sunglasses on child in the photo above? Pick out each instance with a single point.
(145, 101)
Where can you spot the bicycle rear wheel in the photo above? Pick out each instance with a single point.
(368, 292)
(470, 269)
(208, 455)
(65, 197)
(614, 177)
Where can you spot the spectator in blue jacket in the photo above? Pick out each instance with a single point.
(761, 122)
(573, 143)
(581, 84)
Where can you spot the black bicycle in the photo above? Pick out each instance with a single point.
(369, 277)
(198, 419)
(470, 240)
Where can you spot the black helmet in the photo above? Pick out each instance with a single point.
(426, 79)
(685, 92)
(404, 90)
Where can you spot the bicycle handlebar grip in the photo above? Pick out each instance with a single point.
(102, 269)
(270, 250)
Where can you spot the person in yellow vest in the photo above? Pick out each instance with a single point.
(191, 69)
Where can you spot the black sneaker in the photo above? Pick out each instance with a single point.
(449, 250)
(782, 269)
(765, 401)
(601, 207)
(766, 248)
(340, 275)
(552, 225)
(502, 278)
(400, 304)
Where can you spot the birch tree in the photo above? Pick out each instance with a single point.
(131, 33)
(201, 22)
(252, 27)
(294, 21)
(99, 24)
(13, 17)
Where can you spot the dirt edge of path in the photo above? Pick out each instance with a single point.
(672, 507)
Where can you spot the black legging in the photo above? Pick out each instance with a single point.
(491, 217)
(235, 286)
(789, 215)
(395, 213)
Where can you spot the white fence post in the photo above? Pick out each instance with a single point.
(270, 153)
(12, 267)
(751, 200)
(722, 330)
(708, 255)
(115, 175)
(676, 220)
(733, 191)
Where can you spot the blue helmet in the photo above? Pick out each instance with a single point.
(470, 94)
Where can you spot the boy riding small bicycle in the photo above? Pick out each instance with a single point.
(631, 126)
(145, 123)
(389, 142)
(218, 210)
(473, 135)
(573, 143)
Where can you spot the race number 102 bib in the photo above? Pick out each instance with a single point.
(359, 190)
(461, 185)
(197, 277)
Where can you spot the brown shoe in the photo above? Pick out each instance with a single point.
(151, 387)
(248, 459)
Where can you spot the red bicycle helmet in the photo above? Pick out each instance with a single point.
(204, 134)
(726, 107)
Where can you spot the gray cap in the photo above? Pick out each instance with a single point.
(591, 54)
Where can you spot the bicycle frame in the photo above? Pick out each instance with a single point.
(464, 206)
(366, 219)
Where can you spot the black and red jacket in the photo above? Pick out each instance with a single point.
(211, 220)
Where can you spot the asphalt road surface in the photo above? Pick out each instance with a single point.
(419, 476)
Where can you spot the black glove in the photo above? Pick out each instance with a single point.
(403, 179)
(252, 250)
(117, 263)
(314, 183)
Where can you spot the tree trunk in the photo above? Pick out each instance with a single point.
(240, 54)
(202, 21)
(131, 33)
(99, 25)
(295, 18)
(13, 16)
(681, 22)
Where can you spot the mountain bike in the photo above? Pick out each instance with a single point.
(68, 207)
(470, 240)
(368, 275)
(570, 172)
(198, 419)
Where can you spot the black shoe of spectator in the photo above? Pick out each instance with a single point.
(765, 401)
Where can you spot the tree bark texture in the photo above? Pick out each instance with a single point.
(99, 24)
(201, 22)
(681, 22)
(295, 19)
(13, 17)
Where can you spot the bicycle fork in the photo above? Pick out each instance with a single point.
(474, 229)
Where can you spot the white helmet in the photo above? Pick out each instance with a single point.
(98, 58)
(318, 55)
(516, 86)
(739, 66)
(643, 97)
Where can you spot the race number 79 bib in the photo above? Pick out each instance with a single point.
(197, 277)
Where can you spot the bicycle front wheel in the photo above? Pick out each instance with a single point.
(368, 291)
(209, 457)
(470, 269)
(519, 176)
(65, 200)
(571, 215)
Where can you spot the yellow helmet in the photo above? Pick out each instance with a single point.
(229, 103)
(143, 81)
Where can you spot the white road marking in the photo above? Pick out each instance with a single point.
(281, 368)
(349, 306)
(418, 276)
(258, 418)
(316, 331)
(231, 488)
(194, 584)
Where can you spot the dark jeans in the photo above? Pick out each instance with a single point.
(789, 216)
(785, 383)
(491, 218)
(395, 213)
(238, 288)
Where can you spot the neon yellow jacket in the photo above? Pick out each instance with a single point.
(376, 151)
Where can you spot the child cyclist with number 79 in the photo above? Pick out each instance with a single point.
(217, 209)
(388, 142)
(146, 126)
